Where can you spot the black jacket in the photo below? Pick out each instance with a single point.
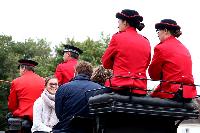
(72, 100)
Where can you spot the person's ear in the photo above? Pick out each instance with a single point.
(23, 69)
(125, 23)
(165, 30)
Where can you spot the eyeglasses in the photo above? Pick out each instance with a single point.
(51, 84)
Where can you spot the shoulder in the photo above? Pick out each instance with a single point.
(17, 80)
(38, 102)
(118, 34)
(62, 89)
(160, 45)
(96, 85)
(38, 76)
(60, 65)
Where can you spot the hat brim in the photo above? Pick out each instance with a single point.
(71, 48)
(167, 26)
(123, 17)
(28, 62)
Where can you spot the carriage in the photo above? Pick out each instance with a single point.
(116, 113)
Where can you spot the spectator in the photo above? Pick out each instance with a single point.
(100, 75)
(72, 99)
(44, 116)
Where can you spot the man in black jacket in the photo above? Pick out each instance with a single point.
(71, 99)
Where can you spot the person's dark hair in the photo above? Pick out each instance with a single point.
(175, 33)
(29, 68)
(171, 26)
(84, 67)
(136, 24)
(74, 55)
(100, 75)
(132, 17)
(48, 78)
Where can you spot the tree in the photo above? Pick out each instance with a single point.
(6, 44)
(40, 51)
(92, 50)
(10, 53)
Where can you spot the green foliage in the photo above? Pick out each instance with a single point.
(5, 48)
(92, 50)
(40, 51)
(4, 91)
(10, 53)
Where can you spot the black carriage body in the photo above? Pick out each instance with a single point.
(115, 113)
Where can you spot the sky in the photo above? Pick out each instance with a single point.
(57, 20)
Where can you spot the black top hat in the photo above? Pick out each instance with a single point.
(128, 14)
(167, 24)
(71, 48)
(27, 62)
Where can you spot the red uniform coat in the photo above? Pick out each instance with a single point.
(65, 71)
(128, 54)
(172, 62)
(23, 93)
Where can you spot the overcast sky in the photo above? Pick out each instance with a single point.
(57, 20)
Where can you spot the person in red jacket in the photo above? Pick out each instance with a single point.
(65, 70)
(25, 90)
(172, 63)
(128, 55)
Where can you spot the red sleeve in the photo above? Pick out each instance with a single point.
(155, 68)
(58, 74)
(109, 55)
(149, 60)
(12, 99)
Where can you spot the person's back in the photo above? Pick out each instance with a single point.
(177, 61)
(172, 63)
(72, 99)
(65, 70)
(133, 52)
(128, 54)
(23, 93)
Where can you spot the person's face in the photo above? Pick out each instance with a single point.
(66, 56)
(52, 86)
(122, 25)
(161, 34)
(21, 71)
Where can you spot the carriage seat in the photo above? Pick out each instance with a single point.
(112, 102)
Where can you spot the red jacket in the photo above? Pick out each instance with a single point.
(128, 54)
(23, 93)
(65, 71)
(172, 62)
